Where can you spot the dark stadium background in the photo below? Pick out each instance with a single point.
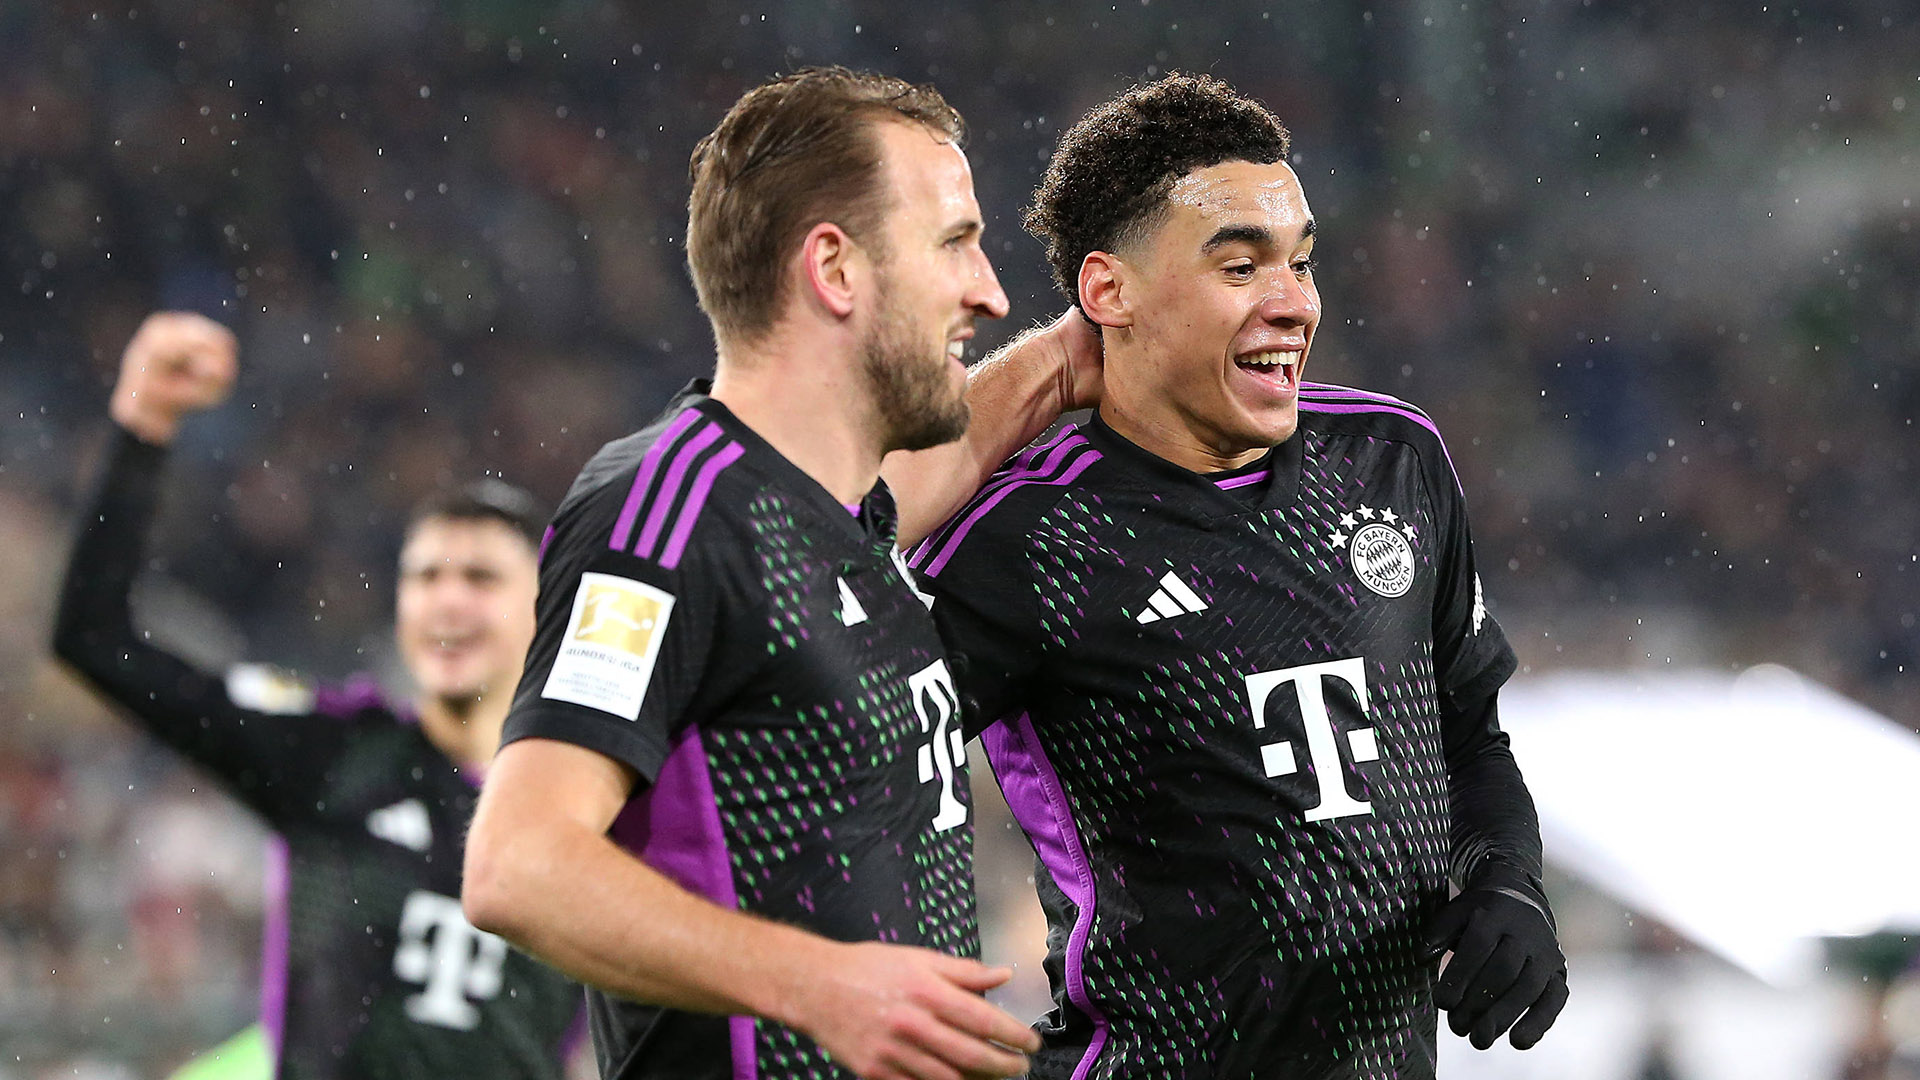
(1652, 268)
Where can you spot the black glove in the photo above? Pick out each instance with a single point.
(1506, 962)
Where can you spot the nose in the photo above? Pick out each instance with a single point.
(1291, 301)
(449, 592)
(984, 295)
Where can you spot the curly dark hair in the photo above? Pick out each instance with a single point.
(1108, 181)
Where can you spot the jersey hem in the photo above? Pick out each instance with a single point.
(589, 733)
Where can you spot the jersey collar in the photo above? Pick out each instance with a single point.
(1282, 462)
(877, 522)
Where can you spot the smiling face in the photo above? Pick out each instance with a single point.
(1218, 310)
(932, 281)
(464, 609)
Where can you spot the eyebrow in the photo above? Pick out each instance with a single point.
(1256, 235)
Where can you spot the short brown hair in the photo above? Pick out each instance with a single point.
(485, 499)
(790, 154)
(1109, 177)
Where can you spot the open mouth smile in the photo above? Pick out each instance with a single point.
(1277, 368)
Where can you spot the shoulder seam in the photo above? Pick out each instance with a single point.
(1055, 463)
(1332, 394)
(670, 488)
(1329, 399)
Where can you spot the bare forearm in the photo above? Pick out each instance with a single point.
(1013, 396)
(541, 872)
(585, 906)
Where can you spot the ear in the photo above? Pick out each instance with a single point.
(835, 268)
(1103, 291)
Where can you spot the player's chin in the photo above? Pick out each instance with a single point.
(452, 679)
(1266, 424)
(954, 383)
(458, 693)
(935, 426)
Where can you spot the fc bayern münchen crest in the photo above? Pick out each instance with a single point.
(1379, 548)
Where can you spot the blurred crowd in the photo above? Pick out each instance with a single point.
(1652, 268)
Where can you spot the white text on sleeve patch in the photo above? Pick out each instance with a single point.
(606, 658)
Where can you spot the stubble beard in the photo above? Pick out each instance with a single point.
(463, 696)
(462, 700)
(913, 400)
(462, 703)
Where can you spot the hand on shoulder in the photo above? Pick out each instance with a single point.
(1082, 358)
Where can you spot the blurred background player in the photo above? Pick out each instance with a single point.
(732, 785)
(370, 969)
(1227, 646)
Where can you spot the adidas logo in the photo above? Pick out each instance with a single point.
(404, 823)
(1170, 599)
(851, 613)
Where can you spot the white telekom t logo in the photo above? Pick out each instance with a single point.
(1322, 750)
(442, 951)
(943, 753)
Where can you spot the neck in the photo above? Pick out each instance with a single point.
(1147, 416)
(806, 396)
(467, 730)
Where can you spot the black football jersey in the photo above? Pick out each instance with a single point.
(370, 969)
(1214, 704)
(712, 617)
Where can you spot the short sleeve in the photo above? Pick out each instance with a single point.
(987, 613)
(623, 645)
(1472, 658)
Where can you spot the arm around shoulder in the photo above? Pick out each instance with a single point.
(1013, 395)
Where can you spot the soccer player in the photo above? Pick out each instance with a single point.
(370, 968)
(1227, 646)
(732, 785)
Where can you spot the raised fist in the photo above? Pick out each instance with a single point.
(177, 363)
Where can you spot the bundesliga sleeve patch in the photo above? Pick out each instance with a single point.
(613, 637)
